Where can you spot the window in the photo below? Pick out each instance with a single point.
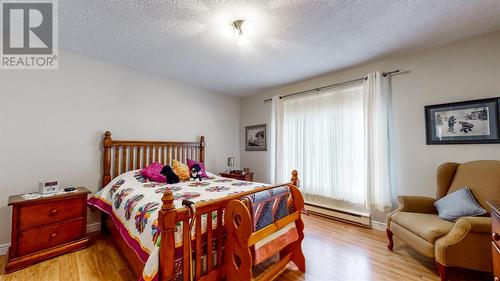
(324, 139)
(338, 140)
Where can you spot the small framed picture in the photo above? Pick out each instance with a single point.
(256, 138)
(475, 121)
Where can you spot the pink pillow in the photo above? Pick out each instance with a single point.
(203, 173)
(152, 172)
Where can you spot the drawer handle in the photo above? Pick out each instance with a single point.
(53, 235)
(495, 236)
(54, 212)
(497, 279)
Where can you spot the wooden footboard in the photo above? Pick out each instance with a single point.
(240, 239)
(169, 217)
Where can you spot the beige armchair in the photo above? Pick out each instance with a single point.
(464, 243)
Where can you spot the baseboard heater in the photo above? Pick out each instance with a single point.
(357, 218)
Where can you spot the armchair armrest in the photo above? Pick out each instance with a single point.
(463, 227)
(473, 224)
(416, 204)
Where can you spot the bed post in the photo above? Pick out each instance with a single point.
(106, 161)
(202, 149)
(296, 247)
(166, 221)
(295, 178)
(238, 258)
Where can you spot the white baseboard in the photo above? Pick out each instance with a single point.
(93, 227)
(4, 248)
(357, 218)
(378, 225)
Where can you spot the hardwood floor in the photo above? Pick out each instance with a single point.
(334, 251)
(101, 261)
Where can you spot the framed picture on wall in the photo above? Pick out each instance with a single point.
(475, 121)
(256, 138)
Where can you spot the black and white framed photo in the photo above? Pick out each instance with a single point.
(475, 121)
(256, 138)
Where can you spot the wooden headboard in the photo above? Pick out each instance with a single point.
(124, 155)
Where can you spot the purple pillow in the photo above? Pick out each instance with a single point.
(152, 172)
(203, 173)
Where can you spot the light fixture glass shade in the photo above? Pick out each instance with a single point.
(240, 31)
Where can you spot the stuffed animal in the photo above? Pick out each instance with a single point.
(169, 174)
(195, 172)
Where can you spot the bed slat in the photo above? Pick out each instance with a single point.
(209, 242)
(220, 236)
(117, 165)
(130, 158)
(151, 151)
(198, 246)
(137, 157)
(144, 156)
(186, 255)
(157, 154)
(124, 159)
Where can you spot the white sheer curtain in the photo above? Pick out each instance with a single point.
(323, 138)
(338, 141)
(277, 170)
(377, 103)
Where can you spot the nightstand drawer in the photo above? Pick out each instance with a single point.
(56, 211)
(44, 237)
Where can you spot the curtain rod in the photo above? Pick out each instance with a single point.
(384, 74)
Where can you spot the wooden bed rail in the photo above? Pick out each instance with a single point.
(169, 217)
(120, 156)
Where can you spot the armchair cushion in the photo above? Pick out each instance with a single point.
(460, 203)
(427, 226)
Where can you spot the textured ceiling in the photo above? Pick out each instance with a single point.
(293, 40)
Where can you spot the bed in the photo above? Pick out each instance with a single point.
(223, 241)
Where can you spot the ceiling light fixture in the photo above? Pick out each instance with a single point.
(242, 29)
(237, 24)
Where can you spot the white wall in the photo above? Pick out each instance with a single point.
(464, 70)
(52, 122)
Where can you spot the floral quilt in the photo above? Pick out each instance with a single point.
(133, 203)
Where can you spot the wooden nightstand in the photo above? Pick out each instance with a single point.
(246, 177)
(47, 227)
(495, 237)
